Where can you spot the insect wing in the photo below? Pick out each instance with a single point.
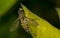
(34, 22)
(14, 26)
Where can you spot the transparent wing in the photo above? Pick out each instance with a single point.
(33, 22)
(14, 26)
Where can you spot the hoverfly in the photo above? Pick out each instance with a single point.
(24, 21)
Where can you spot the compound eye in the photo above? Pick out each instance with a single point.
(21, 11)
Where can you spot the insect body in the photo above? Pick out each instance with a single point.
(25, 21)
